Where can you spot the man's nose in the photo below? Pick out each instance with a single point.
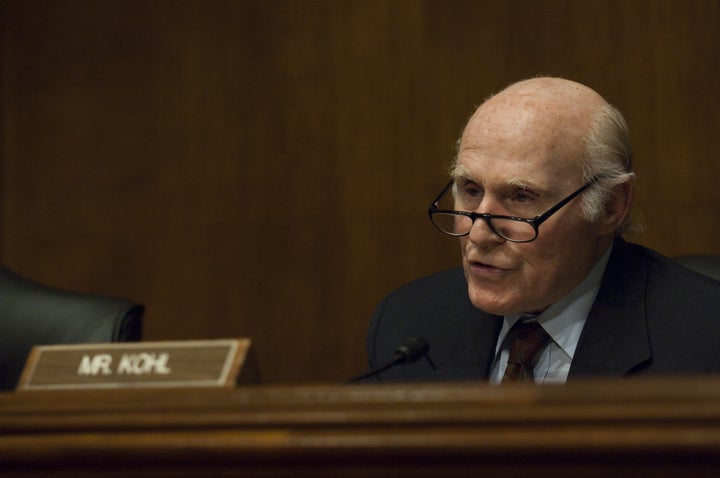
(482, 234)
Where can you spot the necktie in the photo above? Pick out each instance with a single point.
(526, 341)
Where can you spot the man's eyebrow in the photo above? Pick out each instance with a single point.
(460, 173)
(522, 183)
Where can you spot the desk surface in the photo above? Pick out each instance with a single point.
(595, 428)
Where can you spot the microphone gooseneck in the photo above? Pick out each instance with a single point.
(410, 351)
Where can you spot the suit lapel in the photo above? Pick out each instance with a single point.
(475, 352)
(615, 340)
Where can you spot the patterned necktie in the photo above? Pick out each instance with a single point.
(526, 341)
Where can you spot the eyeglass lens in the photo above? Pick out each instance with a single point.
(459, 225)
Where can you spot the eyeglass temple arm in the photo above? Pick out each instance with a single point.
(539, 219)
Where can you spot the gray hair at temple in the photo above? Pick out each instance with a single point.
(607, 154)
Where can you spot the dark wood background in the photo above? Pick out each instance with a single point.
(262, 168)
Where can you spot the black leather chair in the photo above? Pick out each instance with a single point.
(706, 264)
(33, 314)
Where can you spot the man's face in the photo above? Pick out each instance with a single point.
(521, 163)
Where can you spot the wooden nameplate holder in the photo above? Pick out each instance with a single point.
(193, 363)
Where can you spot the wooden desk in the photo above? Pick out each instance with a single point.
(658, 428)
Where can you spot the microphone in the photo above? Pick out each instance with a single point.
(410, 351)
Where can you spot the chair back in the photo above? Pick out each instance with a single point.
(33, 314)
(706, 264)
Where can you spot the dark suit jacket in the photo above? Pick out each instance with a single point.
(651, 316)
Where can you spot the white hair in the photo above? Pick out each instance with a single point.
(607, 155)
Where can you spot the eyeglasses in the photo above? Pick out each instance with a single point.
(510, 228)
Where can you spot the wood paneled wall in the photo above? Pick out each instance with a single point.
(262, 169)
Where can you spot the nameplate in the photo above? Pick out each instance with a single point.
(194, 363)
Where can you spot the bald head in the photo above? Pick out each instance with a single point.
(551, 115)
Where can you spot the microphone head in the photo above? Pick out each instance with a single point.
(411, 350)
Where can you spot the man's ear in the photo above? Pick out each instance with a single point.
(617, 208)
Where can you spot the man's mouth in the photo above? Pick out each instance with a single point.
(484, 267)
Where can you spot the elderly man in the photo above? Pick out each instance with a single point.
(540, 194)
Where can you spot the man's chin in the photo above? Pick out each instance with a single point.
(491, 304)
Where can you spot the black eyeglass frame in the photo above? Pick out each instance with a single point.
(534, 222)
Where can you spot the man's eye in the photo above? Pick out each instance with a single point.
(522, 196)
(472, 192)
